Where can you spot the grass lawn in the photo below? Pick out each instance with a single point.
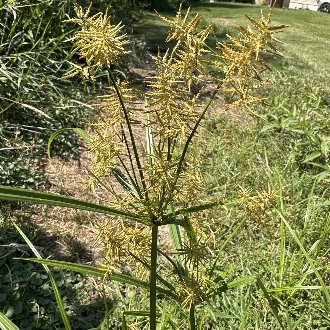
(306, 43)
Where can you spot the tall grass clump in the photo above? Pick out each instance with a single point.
(34, 102)
(156, 236)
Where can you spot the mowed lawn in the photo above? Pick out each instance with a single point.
(306, 41)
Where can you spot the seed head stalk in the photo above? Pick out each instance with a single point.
(189, 139)
(129, 126)
(192, 317)
(153, 278)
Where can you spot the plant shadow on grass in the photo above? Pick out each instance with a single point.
(209, 5)
(26, 294)
(154, 36)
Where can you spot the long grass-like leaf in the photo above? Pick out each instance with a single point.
(153, 278)
(99, 272)
(124, 182)
(298, 287)
(82, 133)
(6, 324)
(241, 281)
(26, 195)
(58, 298)
(270, 301)
(191, 233)
(177, 242)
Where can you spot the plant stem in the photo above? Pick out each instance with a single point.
(153, 278)
(192, 321)
(185, 149)
(129, 126)
(190, 137)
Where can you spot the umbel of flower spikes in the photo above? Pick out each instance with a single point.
(98, 42)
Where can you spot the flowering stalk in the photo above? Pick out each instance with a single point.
(153, 278)
(128, 123)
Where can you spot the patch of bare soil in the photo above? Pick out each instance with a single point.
(70, 232)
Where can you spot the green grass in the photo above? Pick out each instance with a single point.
(306, 41)
(286, 210)
(285, 238)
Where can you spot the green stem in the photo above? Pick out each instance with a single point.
(129, 126)
(192, 321)
(190, 137)
(193, 132)
(132, 165)
(153, 278)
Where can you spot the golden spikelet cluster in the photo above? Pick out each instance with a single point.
(98, 42)
(161, 186)
(258, 204)
(190, 45)
(193, 288)
(171, 102)
(107, 143)
(125, 244)
(171, 105)
(191, 182)
(241, 59)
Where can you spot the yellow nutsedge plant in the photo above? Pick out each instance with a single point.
(160, 180)
(142, 156)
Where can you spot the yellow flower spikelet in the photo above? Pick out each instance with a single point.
(98, 42)
(242, 62)
(124, 244)
(187, 54)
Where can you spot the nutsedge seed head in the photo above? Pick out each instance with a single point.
(99, 42)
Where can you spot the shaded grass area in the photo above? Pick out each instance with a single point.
(305, 42)
(26, 294)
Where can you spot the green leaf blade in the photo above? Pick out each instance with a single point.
(6, 324)
(26, 195)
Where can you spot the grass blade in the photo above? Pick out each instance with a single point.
(297, 287)
(6, 324)
(82, 133)
(241, 281)
(58, 298)
(270, 301)
(26, 195)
